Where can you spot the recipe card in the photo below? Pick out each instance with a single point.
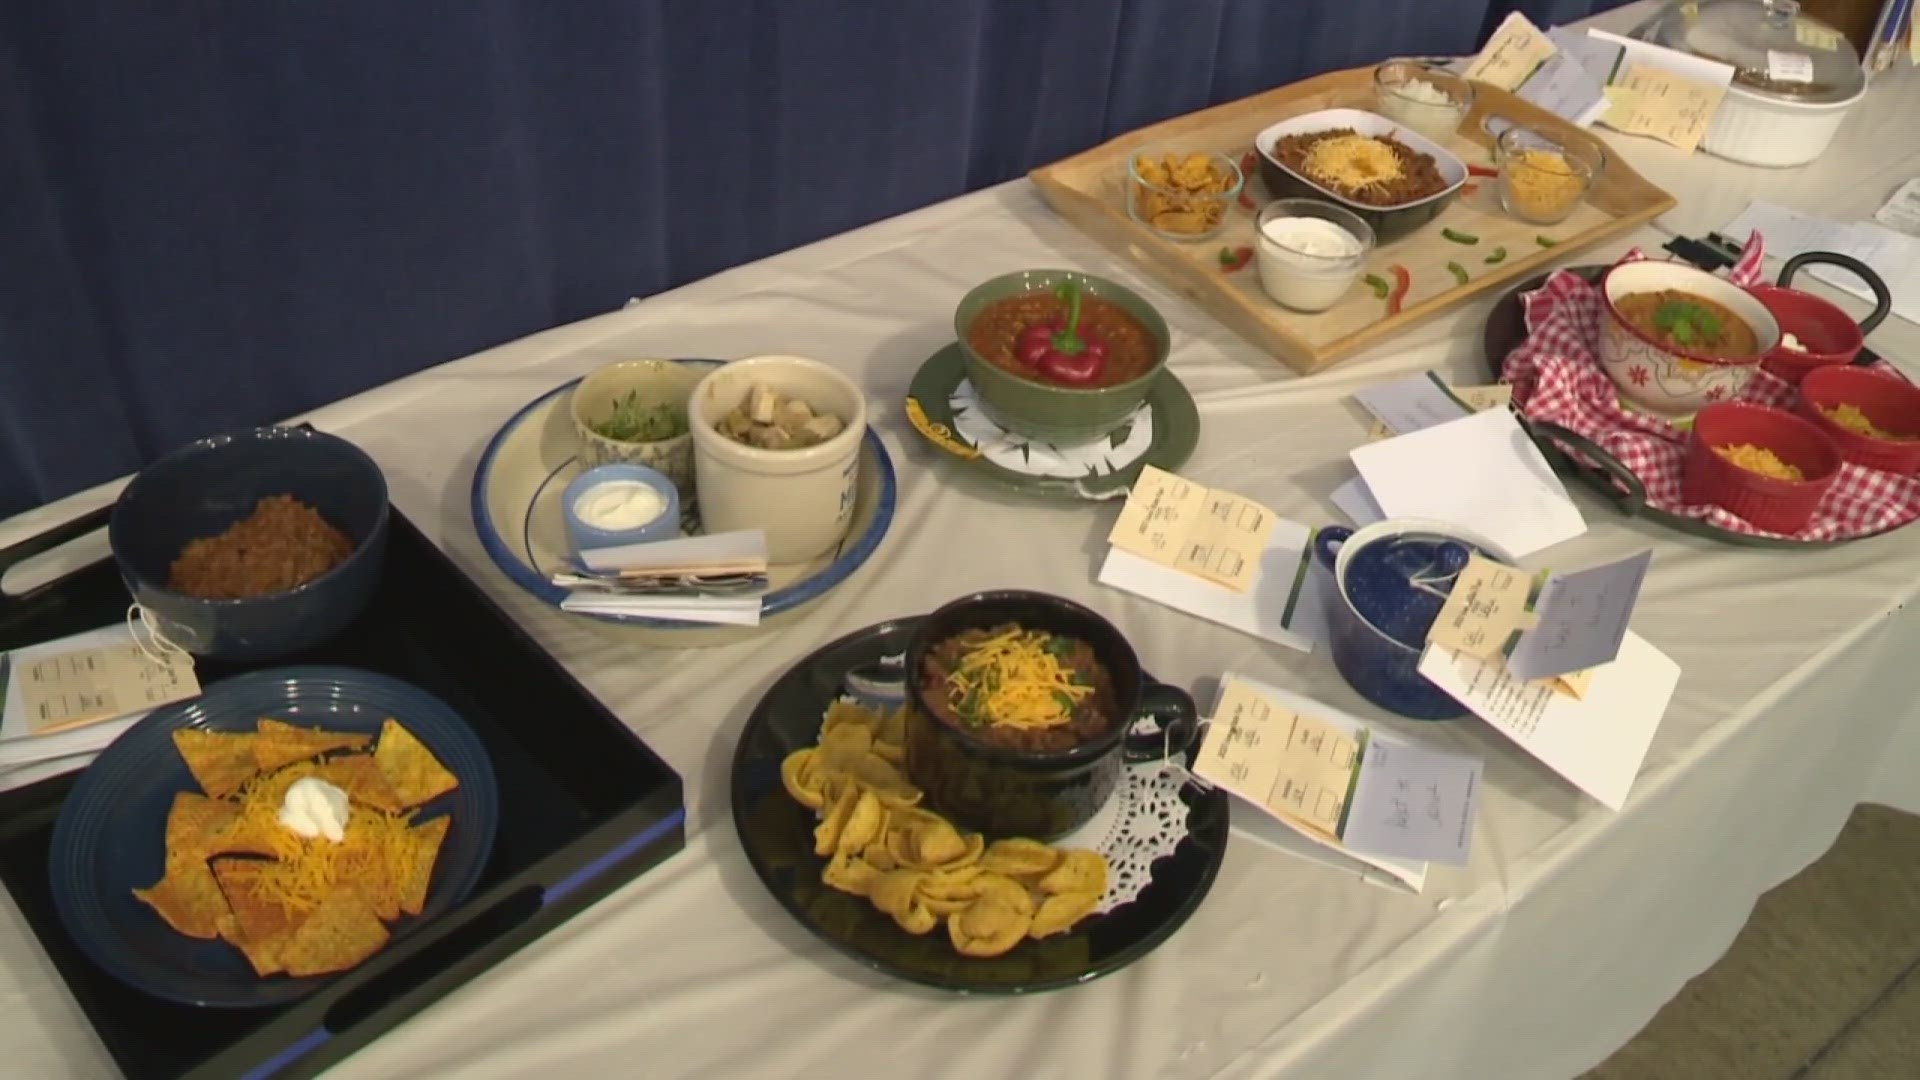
(1211, 534)
(1481, 472)
(1283, 606)
(1579, 619)
(1660, 104)
(1417, 402)
(1332, 780)
(1516, 48)
(1485, 608)
(1597, 740)
(68, 689)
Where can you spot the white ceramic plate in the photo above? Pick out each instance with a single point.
(526, 466)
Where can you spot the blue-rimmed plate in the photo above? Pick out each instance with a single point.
(516, 512)
(110, 837)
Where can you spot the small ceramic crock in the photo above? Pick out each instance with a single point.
(1669, 382)
(655, 382)
(802, 499)
(1384, 586)
(1039, 795)
(584, 537)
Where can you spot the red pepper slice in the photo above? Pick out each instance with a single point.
(1232, 259)
(1482, 170)
(1247, 161)
(1402, 281)
(1246, 200)
(1470, 189)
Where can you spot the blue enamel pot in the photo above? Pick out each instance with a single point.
(1384, 586)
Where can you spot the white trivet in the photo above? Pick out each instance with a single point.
(1101, 457)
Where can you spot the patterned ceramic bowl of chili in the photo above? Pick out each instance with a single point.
(1675, 339)
(1022, 712)
(1060, 356)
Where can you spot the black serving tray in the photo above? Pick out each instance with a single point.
(585, 807)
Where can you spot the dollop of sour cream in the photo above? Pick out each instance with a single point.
(315, 808)
(619, 504)
(1788, 341)
(1311, 236)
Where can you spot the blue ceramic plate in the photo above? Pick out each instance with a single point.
(526, 466)
(111, 835)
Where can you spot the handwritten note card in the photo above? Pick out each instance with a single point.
(1418, 402)
(1486, 606)
(1516, 48)
(1596, 741)
(1580, 618)
(70, 689)
(1210, 534)
(1295, 766)
(1414, 803)
(1671, 108)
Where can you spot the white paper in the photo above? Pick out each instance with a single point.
(1572, 83)
(728, 611)
(1355, 501)
(1894, 256)
(1596, 742)
(1410, 802)
(1788, 66)
(745, 545)
(1261, 611)
(1902, 210)
(1253, 821)
(1598, 55)
(18, 744)
(1581, 618)
(1480, 472)
(1686, 65)
(1411, 404)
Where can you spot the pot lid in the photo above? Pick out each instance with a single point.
(1775, 51)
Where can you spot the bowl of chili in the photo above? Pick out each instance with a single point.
(1675, 338)
(1058, 355)
(252, 545)
(1022, 712)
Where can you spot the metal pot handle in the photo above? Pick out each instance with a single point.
(1882, 296)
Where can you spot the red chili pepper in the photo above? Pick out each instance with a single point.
(1402, 281)
(1482, 170)
(1061, 351)
(1246, 200)
(1247, 161)
(1470, 189)
(1232, 259)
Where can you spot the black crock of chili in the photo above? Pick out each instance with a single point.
(1048, 772)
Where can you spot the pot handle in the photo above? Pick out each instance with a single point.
(1882, 297)
(1179, 724)
(1326, 543)
(1627, 490)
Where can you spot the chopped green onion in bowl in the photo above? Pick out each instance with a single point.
(636, 421)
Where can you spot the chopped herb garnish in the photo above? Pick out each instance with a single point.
(1499, 255)
(633, 420)
(1379, 285)
(1545, 241)
(1686, 323)
(1459, 272)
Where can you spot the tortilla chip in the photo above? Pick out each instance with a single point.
(189, 899)
(281, 743)
(221, 761)
(412, 771)
(340, 934)
(427, 839)
(368, 865)
(360, 777)
(261, 928)
(193, 823)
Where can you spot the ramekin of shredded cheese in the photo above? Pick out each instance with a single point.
(1851, 418)
(1541, 180)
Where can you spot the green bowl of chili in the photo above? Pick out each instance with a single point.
(1064, 397)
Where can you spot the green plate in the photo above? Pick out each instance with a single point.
(1162, 434)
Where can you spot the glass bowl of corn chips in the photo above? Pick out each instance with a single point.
(1182, 195)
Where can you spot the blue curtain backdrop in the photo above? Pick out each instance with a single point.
(218, 213)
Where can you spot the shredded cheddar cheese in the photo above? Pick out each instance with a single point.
(1851, 418)
(1013, 680)
(1543, 183)
(304, 871)
(1757, 460)
(1353, 162)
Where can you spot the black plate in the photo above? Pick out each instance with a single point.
(1506, 330)
(777, 834)
(584, 808)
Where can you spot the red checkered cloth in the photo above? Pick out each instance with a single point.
(1557, 378)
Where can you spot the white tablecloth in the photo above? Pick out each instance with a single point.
(1570, 928)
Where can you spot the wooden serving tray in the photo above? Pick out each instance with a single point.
(1089, 189)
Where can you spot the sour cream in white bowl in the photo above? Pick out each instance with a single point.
(1310, 252)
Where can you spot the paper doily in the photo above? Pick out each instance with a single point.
(1102, 457)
